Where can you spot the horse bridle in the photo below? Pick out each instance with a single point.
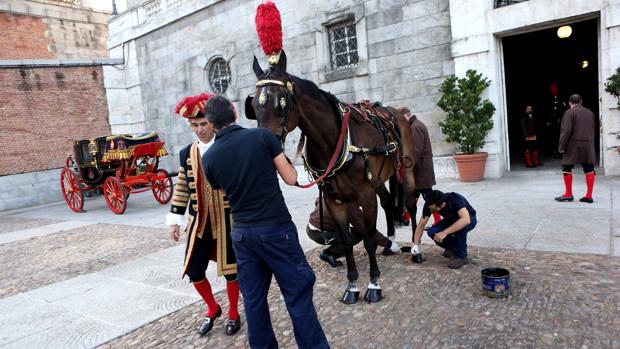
(280, 104)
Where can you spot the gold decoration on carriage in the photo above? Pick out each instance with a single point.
(282, 102)
(93, 149)
(121, 147)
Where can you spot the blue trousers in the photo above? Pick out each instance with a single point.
(455, 242)
(266, 251)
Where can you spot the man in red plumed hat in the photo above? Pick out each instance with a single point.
(209, 220)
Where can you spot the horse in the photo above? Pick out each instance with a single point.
(346, 154)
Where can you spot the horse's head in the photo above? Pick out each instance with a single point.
(273, 105)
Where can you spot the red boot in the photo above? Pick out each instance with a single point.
(234, 321)
(568, 184)
(535, 160)
(528, 160)
(590, 184)
(204, 290)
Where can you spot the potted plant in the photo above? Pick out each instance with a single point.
(612, 86)
(468, 121)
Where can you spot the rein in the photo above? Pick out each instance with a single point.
(332, 162)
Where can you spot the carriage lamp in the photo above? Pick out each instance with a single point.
(92, 147)
(565, 31)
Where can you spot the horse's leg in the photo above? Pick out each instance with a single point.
(387, 203)
(373, 294)
(340, 215)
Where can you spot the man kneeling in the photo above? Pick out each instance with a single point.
(451, 232)
(330, 236)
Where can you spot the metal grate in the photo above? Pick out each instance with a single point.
(502, 3)
(343, 45)
(219, 75)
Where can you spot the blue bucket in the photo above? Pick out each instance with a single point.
(495, 282)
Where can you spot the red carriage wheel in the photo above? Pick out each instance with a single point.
(115, 195)
(162, 187)
(71, 190)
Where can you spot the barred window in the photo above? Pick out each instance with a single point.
(343, 45)
(219, 75)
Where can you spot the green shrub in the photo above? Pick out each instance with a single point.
(469, 119)
(612, 86)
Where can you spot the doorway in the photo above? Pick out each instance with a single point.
(543, 70)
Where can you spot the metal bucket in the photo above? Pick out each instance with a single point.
(495, 282)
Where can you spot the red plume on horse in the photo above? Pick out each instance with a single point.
(269, 29)
(349, 157)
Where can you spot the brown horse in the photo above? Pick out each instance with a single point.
(283, 102)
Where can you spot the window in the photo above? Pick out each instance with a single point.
(502, 3)
(343, 45)
(219, 75)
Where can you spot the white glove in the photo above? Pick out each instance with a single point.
(415, 249)
(395, 248)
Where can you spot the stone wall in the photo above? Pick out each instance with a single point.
(45, 109)
(404, 56)
(51, 29)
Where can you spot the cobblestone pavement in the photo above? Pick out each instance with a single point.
(558, 300)
(33, 263)
(11, 223)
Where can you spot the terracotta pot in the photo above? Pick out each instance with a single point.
(471, 166)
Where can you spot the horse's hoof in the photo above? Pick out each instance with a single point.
(373, 295)
(350, 297)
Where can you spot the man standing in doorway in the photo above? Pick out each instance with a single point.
(577, 146)
(528, 127)
(244, 163)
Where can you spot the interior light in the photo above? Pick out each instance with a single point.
(565, 31)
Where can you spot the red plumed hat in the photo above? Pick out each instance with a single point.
(193, 106)
(269, 29)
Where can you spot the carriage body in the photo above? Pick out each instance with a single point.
(118, 165)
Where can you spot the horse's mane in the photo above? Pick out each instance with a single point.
(310, 87)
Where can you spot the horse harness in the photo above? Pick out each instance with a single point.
(281, 104)
(383, 122)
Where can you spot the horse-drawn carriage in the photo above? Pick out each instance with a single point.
(118, 165)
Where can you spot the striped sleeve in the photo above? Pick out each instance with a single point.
(180, 197)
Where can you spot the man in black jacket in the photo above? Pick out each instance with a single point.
(528, 128)
(244, 163)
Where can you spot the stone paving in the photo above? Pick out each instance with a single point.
(40, 261)
(558, 300)
(10, 223)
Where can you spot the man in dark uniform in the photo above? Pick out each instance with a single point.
(208, 223)
(244, 163)
(459, 218)
(528, 127)
(423, 170)
(577, 146)
(330, 236)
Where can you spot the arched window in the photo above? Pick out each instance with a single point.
(218, 75)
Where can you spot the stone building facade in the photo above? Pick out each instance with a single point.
(51, 93)
(404, 49)
(171, 47)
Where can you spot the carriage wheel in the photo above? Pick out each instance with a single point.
(115, 195)
(162, 188)
(71, 190)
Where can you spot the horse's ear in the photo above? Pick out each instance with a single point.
(257, 69)
(249, 109)
(281, 65)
